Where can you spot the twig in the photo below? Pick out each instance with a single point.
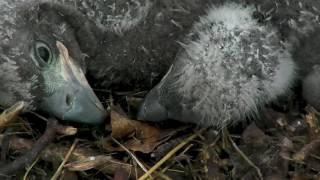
(244, 156)
(30, 156)
(4, 148)
(170, 154)
(66, 158)
(25, 177)
(38, 116)
(180, 154)
(10, 115)
(131, 154)
(66, 130)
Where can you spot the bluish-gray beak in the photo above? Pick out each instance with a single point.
(74, 100)
(151, 109)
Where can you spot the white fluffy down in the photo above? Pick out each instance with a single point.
(230, 66)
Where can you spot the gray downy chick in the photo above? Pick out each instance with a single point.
(41, 61)
(229, 66)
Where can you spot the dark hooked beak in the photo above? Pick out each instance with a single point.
(74, 100)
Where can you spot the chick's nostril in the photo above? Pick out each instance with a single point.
(69, 100)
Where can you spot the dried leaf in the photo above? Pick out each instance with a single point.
(253, 135)
(139, 136)
(92, 162)
(312, 120)
(306, 150)
(120, 174)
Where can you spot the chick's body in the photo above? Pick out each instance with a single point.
(229, 66)
(140, 42)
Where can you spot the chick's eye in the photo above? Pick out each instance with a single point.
(43, 52)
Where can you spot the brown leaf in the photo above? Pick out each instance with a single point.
(140, 136)
(312, 120)
(306, 150)
(68, 175)
(121, 174)
(253, 135)
(286, 147)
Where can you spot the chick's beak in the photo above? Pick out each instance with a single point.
(74, 99)
(151, 109)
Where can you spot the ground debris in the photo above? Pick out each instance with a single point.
(282, 145)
